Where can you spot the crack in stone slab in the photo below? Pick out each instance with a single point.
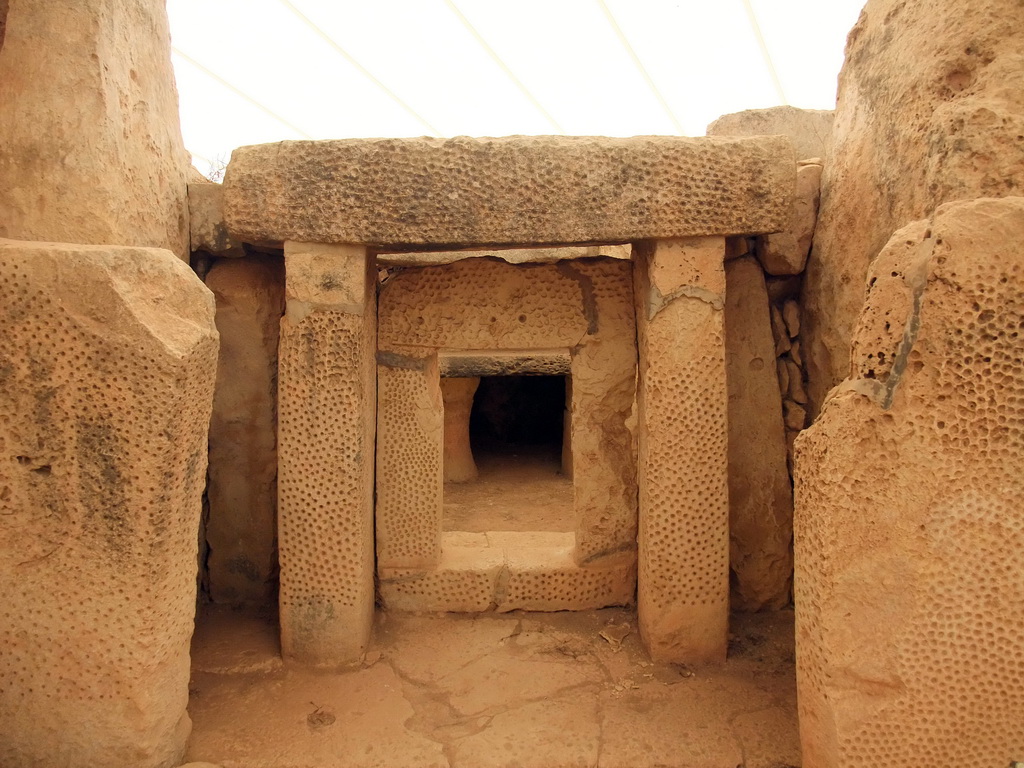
(656, 302)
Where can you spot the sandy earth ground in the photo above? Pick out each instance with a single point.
(528, 690)
(512, 493)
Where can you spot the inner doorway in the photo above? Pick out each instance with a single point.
(519, 437)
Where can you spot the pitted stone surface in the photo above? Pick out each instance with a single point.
(683, 574)
(537, 190)
(490, 305)
(326, 405)
(929, 110)
(908, 527)
(511, 255)
(107, 365)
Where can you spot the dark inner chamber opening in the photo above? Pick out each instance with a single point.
(515, 433)
(518, 415)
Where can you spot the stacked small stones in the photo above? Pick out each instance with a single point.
(783, 257)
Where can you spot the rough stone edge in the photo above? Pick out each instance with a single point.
(270, 168)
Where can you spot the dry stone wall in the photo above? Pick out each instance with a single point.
(766, 375)
(910, 620)
(90, 146)
(929, 111)
(107, 365)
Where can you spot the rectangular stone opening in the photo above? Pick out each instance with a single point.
(507, 462)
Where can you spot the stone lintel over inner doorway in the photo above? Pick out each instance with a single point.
(326, 430)
(527, 190)
(683, 574)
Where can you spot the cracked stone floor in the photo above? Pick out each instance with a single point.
(515, 689)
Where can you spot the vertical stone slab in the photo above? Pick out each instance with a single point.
(603, 399)
(90, 144)
(242, 525)
(107, 364)
(326, 417)
(760, 495)
(410, 484)
(683, 572)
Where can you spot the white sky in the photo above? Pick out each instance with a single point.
(254, 71)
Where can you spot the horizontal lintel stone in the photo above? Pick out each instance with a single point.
(542, 190)
(505, 363)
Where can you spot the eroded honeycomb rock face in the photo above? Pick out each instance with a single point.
(910, 620)
(242, 527)
(929, 111)
(527, 190)
(808, 129)
(760, 497)
(107, 366)
(683, 569)
(90, 145)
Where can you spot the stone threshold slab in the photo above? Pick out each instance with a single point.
(507, 571)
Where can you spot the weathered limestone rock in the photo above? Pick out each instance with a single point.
(782, 288)
(808, 129)
(326, 429)
(929, 111)
(795, 415)
(795, 389)
(785, 253)
(523, 189)
(783, 342)
(90, 147)
(206, 221)
(511, 255)
(909, 535)
(791, 317)
(107, 364)
(683, 570)
(760, 496)
(242, 527)
(579, 311)
(458, 463)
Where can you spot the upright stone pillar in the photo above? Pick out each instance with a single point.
(326, 419)
(90, 145)
(107, 363)
(458, 464)
(683, 575)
